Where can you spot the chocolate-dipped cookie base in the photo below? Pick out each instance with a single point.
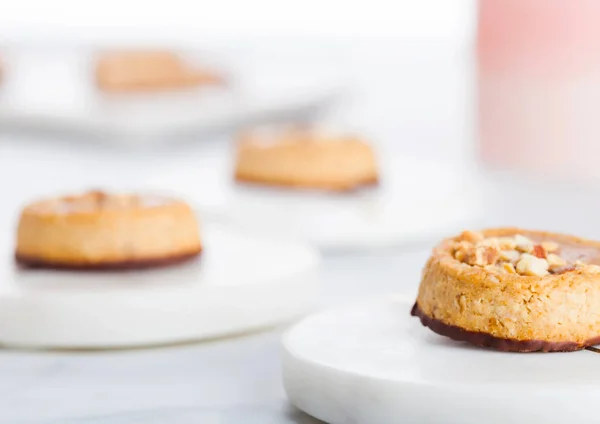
(487, 340)
(369, 183)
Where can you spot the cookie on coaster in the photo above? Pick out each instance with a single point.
(128, 71)
(305, 159)
(97, 230)
(513, 290)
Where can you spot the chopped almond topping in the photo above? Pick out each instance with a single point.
(563, 269)
(461, 250)
(523, 244)
(491, 255)
(482, 256)
(549, 246)
(490, 242)
(472, 236)
(509, 268)
(460, 255)
(532, 265)
(539, 251)
(522, 240)
(510, 255)
(514, 255)
(555, 261)
(507, 243)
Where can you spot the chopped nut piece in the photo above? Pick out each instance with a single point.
(471, 236)
(539, 251)
(507, 243)
(521, 239)
(465, 245)
(509, 268)
(476, 258)
(531, 265)
(460, 255)
(510, 255)
(469, 256)
(513, 255)
(491, 242)
(555, 261)
(491, 255)
(523, 243)
(550, 246)
(482, 256)
(563, 269)
(525, 248)
(462, 250)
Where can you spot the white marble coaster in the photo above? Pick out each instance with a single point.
(239, 284)
(375, 364)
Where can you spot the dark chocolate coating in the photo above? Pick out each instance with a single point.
(129, 265)
(487, 340)
(372, 183)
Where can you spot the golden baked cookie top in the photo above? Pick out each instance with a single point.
(95, 202)
(299, 140)
(511, 251)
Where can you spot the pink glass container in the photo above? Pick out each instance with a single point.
(539, 85)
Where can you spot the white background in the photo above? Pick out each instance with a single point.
(192, 20)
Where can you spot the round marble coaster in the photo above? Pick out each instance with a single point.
(375, 364)
(238, 284)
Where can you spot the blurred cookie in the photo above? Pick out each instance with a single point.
(98, 230)
(149, 71)
(304, 158)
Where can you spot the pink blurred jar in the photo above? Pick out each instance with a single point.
(539, 85)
